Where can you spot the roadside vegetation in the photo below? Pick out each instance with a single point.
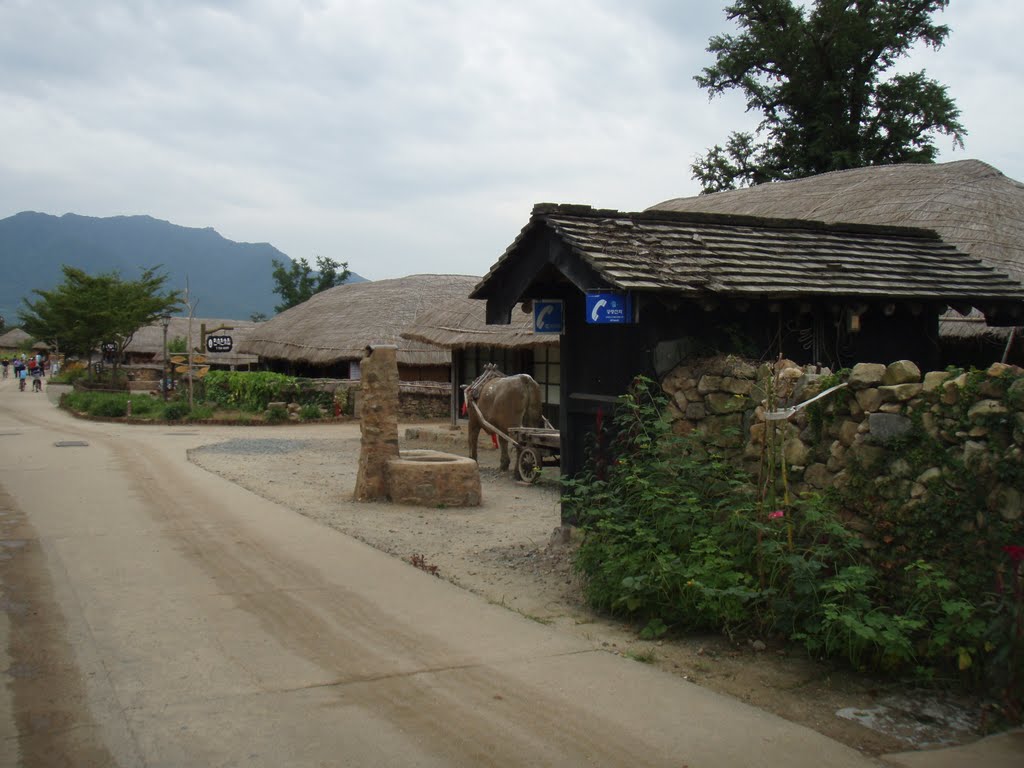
(678, 540)
(222, 396)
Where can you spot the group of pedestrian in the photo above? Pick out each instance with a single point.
(26, 368)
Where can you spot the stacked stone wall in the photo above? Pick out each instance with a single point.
(976, 418)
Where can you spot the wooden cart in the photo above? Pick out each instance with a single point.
(535, 448)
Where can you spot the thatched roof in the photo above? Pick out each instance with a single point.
(699, 254)
(150, 339)
(339, 323)
(14, 338)
(969, 203)
(462, 323)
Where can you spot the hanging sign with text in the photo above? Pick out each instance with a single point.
(609, 308)
(219, 343)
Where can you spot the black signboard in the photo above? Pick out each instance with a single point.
(218, 343)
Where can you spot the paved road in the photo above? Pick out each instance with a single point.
(153, 614)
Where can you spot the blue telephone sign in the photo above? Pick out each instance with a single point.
(609, 308)
(548, 316)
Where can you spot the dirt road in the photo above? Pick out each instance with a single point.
(154, 614)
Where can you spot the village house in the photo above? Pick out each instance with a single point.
(970, 204)
(460, 326)
(642, 292)
(327, 336)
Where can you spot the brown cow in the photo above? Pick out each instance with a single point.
(509, 401)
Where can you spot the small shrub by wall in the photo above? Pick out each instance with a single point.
(882, 524)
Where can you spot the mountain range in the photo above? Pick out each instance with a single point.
(227, 279)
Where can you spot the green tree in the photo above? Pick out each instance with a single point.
(86, 311)
(298, 282)
(818, 76)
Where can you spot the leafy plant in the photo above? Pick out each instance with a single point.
(310, 413)
(674, 538)
(176, 411)
(277, 415)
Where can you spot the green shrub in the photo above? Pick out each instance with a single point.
(310, 413)
(247, 390)
(276, 415)
(675, 538)
(176, 411)
(201, 412)
(146, 406)
(109, 405)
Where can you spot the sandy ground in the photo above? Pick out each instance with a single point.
(505, 551)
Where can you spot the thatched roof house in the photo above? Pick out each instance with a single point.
(969, 203)
(147, 345)
(13, 340)
(327, 334)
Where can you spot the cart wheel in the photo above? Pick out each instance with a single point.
(528, 465)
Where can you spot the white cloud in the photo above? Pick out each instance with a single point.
(401, 136)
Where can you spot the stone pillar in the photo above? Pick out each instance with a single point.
(378, 422)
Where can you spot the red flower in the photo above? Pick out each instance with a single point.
(1015, 551)
(780, 513)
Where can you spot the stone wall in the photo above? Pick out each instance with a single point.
(974, 420)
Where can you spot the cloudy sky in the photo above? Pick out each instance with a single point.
(401, 136)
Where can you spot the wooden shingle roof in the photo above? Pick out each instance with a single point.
(700, 254)
(461, 323)
(968, 202)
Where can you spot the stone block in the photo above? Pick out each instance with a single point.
(722, 403)
(901, 372)
(738, 368)
(868, 455)
(848, 432)
(1016, 392)
(868, 399)
(984, 408)
(1006, 501)
(818, 476)
(991, 388)
(724, 431)
(709, 383)
(933, 380)
(866, 375)
(795, 452)
(887, 426)
(696, 411)
(899, 393)
(737, 386)
(999, 369)
(975, 455)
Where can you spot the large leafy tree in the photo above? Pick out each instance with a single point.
(299, 281)
(85, 311)
(820, 77)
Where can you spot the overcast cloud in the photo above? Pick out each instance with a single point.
(399, 136)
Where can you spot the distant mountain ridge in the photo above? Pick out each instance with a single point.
(229, 279)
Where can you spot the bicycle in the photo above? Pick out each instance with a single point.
(37, 385)
(21, 383)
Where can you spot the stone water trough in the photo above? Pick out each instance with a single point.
(433, 479)
(421, 478)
